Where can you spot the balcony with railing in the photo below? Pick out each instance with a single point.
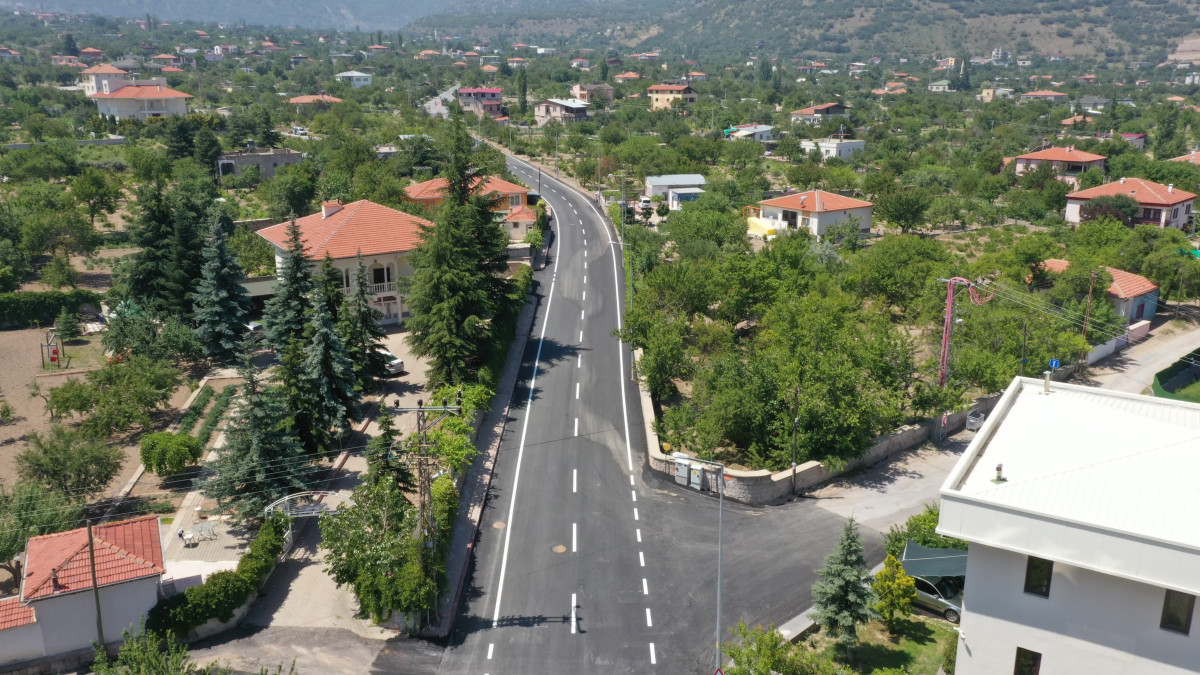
(374, 289)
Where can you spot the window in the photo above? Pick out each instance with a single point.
(514, 201)
(1037, 576)
(1028, 662)
(925, 587)
(1175, 213)
(1177, 612)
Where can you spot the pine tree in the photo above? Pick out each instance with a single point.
(286, 313)
(262, 459)
(843, 597)
(69, 47)
(328, 280)
(221, 306)
(456, 287)
(267, 136)
(327, 379)
(361, 332)
(146, 275)
(66, 325)
(895, 590)
(378, 465)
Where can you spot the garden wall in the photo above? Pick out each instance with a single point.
(764, 487)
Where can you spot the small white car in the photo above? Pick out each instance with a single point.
(645, 203)
(394, 365)
(256, 331)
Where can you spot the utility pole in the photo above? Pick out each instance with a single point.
(720, 526)
(1087, 319)
(95, 584)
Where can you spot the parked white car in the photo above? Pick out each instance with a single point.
(395, 366)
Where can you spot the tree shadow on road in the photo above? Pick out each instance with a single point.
(553, 353)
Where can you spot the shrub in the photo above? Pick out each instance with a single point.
(167, 454)
(219, 596)
(22, 308)
(214, 415)
(950, 654)
(66, 324)
(189, 419)
(921, 529)
(58, 273)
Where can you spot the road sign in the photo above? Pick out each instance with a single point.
(1055, 363)
(718, 672)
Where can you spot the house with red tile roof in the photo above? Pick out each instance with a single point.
(1044, 95)
(55, 609)
(664, 96)
(816, 114)
(383, 236)
(91, 54)
(1133, 296)
(1161, 205)
(1068, 162)
(627, 77)
(92, 80)
(510, 201)
(815, 211)
(316, 100)
(1190, 158)
(140, 99)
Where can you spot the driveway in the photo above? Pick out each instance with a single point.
(1133, 370)
(437, 106)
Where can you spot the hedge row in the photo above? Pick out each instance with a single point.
(189, 419)
(214, 415)
(223, 592)
(1171, 371)
(21, 309)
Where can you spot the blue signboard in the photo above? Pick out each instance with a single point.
(1054, 363)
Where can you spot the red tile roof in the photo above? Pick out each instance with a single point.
(172, 56)
(14, 614)
(125, 551)
(521, 214)
(1062, 155)
(669, 87)
(1142, 191)
(1124, 284)
(1193, 158)
(1044, 92)
(172, 69)
(143, 91)
(813, 110)
(358, 227)
(314, 98)
(103, 69)
(1066, 123)
(90, 50)
(436, 188)
(818, 201)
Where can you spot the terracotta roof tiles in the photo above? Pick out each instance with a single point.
(13, 614)
(358, 227)
(125, 551)
(1062, 155)
(818, 201)
(1142, 191)
(103, 69)
(142, 91)
(1124, 284)
(436, 188)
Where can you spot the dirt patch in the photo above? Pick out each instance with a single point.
(1188, 50)
(95, 273)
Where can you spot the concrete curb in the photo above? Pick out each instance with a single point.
(480, 478)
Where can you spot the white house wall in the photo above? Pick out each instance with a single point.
(1091, 623)
(69, 621)
(22, 643)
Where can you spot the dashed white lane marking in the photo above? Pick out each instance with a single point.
(573, 614)
(585, 264)
(490, 645)
(575, 478)
(585, 278)
(653, 661)
(578, 360)
(631, 480)
(641, 559)
(634, 493)
(635, 513)
(573, 539)
(576, 391)
(645, 587)
(581, 315)
(576, 426)
(581, 336)
(639, 535)
(584, 296)
(649, 621)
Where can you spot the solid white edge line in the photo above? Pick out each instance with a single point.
(521, 448)
(653, 661)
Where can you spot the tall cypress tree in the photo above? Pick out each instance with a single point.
(522, 90)
(146, 275)
(328, 280)
(262, 459)
(361, 332)
(286, 312)
(220, 304)
(327, 380)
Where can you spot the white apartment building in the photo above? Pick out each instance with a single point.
(355, 78)
(1079, 505)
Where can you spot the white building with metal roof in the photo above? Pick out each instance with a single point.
(1080, 508)
(660, 185)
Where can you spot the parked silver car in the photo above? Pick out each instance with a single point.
(395, 366)
(939, 595)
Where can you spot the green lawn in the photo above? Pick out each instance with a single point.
(916, 646)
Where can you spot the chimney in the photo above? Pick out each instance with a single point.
(1000, 474)
(1122, 180)
(330, 207)
(1170, 188)
(54, 585)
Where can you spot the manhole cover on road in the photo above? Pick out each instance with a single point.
(559, 549)
(498, 525)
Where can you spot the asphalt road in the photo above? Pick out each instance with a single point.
(436, 107)
(585, 557)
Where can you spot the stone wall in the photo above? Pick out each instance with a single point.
(764, 487)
